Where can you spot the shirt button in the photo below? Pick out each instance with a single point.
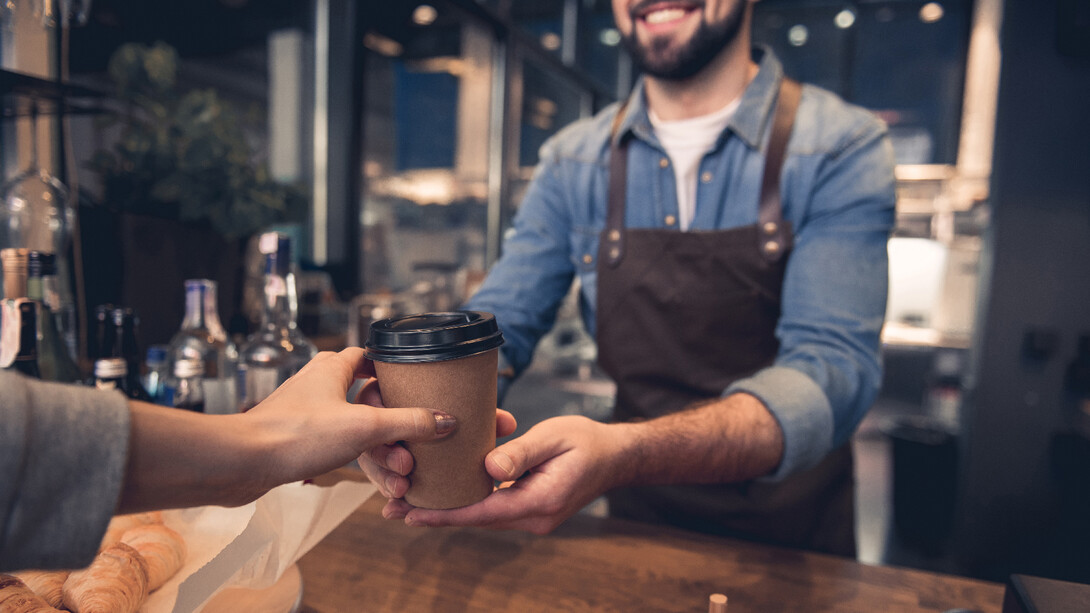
(587, 259)
(706, 177)
(663, 163)
(772, 247)
(670, 220)
(614, 235)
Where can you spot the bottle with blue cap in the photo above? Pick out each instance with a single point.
(278, 349)
(156, 371)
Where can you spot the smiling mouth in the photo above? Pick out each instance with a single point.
(655, 13)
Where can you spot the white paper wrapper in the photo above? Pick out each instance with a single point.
(251, 546)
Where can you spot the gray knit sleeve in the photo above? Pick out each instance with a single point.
(63, 450)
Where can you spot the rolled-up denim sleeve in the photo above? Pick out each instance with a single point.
(802, 410)
(63, 451)
(526, 286)
(828, 369)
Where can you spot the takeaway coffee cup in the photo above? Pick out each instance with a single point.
(444, 361)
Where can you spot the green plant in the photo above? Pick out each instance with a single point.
(185, 155)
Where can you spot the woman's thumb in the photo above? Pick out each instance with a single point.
(413, 425)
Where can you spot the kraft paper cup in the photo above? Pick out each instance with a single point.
(444, 361)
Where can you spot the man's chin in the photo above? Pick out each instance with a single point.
(670, 68)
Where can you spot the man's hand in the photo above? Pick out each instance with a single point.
(388, 465)
(550, 473)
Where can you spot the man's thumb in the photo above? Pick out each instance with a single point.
(506, 462)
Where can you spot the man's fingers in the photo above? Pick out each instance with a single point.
(498, 508)
(505, 423)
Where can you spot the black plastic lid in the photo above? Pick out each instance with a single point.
(433, 337)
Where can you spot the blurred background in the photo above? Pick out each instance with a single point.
(393, 141)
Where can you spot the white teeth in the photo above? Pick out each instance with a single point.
(664, 15)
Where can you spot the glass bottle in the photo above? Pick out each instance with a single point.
(202, 337)
(54, 360)
(121, 368)
(185, 389)
(34, 211)
(61, 305)
(155, 373)
(14, 261)
(100, 341)
(19, 351)
(277, 350)
(126, 345)
(113, 373)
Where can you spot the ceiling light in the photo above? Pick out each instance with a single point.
(844, 19)
(550, 40)
(382, 45)
(798, 35)
(931, 12)
(425, 15)
(609, 37)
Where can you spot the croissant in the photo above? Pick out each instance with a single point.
(163, 550)
(16, 597)
(119, 524)
(116, 582)
(45, 583)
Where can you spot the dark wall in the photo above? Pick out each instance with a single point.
(1020, 508)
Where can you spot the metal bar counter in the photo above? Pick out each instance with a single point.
(594, 564)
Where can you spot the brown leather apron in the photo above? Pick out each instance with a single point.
(681, 315)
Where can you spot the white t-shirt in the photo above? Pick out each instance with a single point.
(686, 141)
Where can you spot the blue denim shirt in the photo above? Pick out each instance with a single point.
(837, 189)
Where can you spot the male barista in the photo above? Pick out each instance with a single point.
(728, 228)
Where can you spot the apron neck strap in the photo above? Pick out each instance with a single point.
(774, 234)
(618, 174)
(773, 231)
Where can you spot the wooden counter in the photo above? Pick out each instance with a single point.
(592, 564)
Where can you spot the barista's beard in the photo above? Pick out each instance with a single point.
(660, 62)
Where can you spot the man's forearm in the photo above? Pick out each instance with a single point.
(725, 440)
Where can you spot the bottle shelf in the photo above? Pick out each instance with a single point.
(19, 93)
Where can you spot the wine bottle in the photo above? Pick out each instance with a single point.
(126, 345)
(121, 370)
(19, 347)
(54, 360)
(14, 263)
(100, 341)
(277, 350)
(113, 373)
